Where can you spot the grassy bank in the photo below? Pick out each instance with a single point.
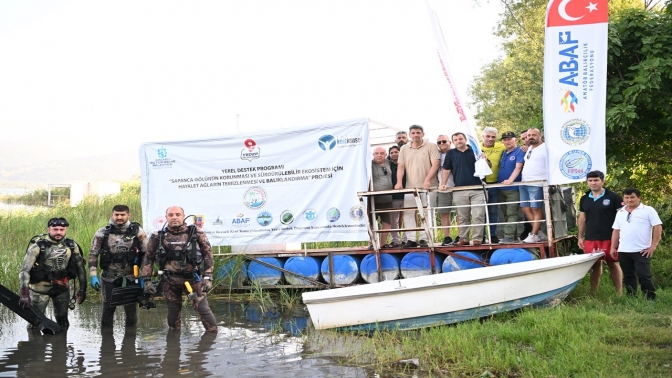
(585, 336)
(17, 227)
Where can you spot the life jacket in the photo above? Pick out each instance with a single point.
(39, 271)
(132, 256)
(191, 254)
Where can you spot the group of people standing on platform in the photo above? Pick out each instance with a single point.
(414, 162)
(126, 256)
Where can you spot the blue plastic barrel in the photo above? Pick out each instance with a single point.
(262, 275)
(510, 256)
(451, 264)
(388, 262)
(416, 264)
(232, 272)
(304, 265)
(346, 269)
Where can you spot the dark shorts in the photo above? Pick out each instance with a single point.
(601, 245)
(384, 217)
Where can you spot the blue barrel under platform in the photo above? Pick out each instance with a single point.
(388, 262)
(451, 264)
(510, 256)
(416, 264)
(304, 265)
(346, 269)
(262, 275)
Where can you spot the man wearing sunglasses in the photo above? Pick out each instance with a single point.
(443, 200)
(637, 232)
(52, 260)
(531, 196)
(381, 178)
(493, 150)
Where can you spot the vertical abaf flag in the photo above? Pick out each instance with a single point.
(575, 79)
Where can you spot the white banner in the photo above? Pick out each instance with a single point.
(288, 185)
(575, 86)
(482, 168)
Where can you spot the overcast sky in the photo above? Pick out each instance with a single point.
(128, 72)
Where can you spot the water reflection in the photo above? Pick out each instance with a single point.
(253, 341)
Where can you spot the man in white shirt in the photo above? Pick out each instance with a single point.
(637, 232)
(534, 169)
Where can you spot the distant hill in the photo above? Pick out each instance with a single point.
(37, 164)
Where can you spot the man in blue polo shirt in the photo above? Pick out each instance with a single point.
(461, 162)
(510, 166)
(597, 212)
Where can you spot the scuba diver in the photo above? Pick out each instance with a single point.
(51, 261)
(180, 250)
(119, 247)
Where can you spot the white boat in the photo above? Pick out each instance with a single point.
(448, 297)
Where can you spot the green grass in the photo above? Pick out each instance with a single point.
(585, 336)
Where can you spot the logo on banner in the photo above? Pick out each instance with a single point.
(310, 215)
(575, 164)
(254, 197)
(333, 214)
(606, 202)
(286, 217)
(240, 220)
(218, 222)
(327, 142)
(575, 132)
(568, 102)
(264, 218)
(251, 151)
(357, 213)
(198, 221)
(159, 222)
(162, 161)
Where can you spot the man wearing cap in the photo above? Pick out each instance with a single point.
(51, 260)
(493, 150)
(510, 166)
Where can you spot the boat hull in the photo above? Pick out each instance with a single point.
(448, 297)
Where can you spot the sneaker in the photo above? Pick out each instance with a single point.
(531, 238)
(396, 245)
(447, 241)
(423, 244)
(494, 239)
(410, 244)
(541, 235)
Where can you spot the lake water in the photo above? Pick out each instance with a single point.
(252, 342)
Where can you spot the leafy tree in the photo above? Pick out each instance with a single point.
(508, 94)
(639, 99)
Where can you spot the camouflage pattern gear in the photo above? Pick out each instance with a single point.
(172, 281)
(60, 303)
(119, 270)
(173, 290)
(57, 256)
(176, 239)
(118, 245)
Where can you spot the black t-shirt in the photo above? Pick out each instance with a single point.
(462, 165)
(600, 214)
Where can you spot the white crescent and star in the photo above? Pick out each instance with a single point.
(563, 11)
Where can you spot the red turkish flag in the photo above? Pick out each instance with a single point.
(576, 12)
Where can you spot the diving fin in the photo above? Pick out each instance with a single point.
(126, 295)
(11, 300)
